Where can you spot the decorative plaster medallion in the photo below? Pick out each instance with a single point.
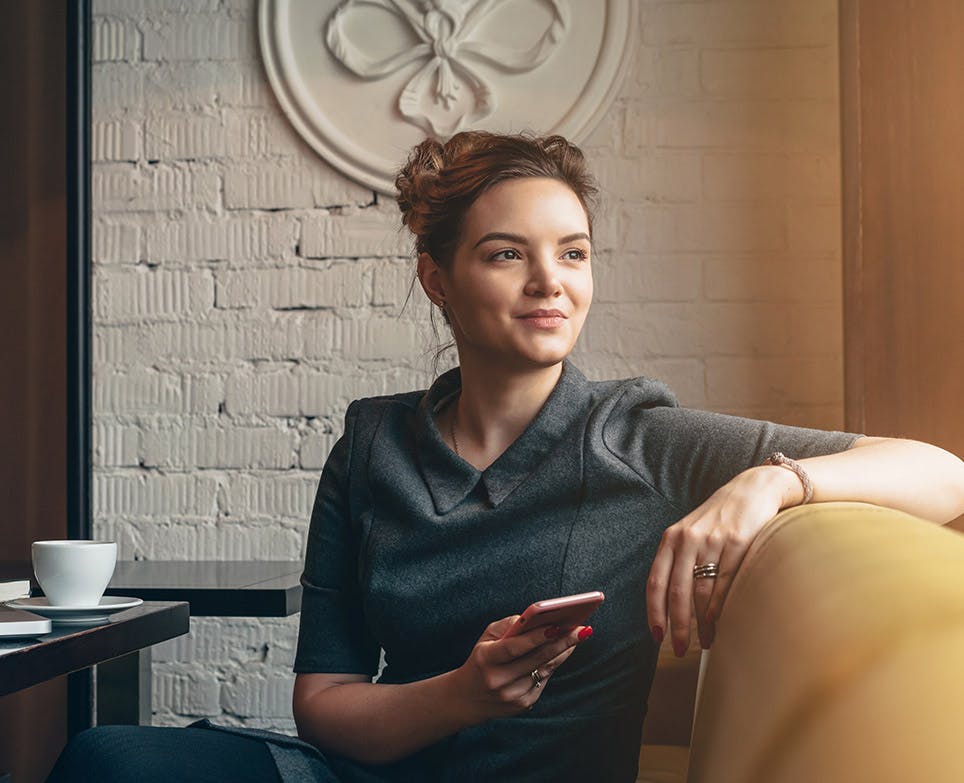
(365, 80)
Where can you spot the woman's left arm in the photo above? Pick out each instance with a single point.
(908, 475)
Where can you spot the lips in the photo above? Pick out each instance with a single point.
(544, 314)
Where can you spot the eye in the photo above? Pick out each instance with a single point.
(509, 254)
(575, 254)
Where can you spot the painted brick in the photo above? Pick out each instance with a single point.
(652, 176)
(814, 228)
(247, 238)
(225, 342)
(787, 126)
(131, 494)
(769, 176)
(716, 228)
(129, 188)
(114, 38)
(815, 329)
(144, 390)
(199, 85)
(673, 73)
(113, 345)
(392, 283)
(256, 134)
(773, 381)
(300, 392)
(212, 37)
(341, 285)
(770, 73)
(191, 443)
(114, 444)
(821, 417)
(183, 136)
(228, 641)
(788, 22)
(315, 448)
(687, 330)
(358, 233)
(729, 228)
(252, 694)
(378, 338)
(272, 186)
(772, 277)
(683, 376)
(137, 8)
(192, 537)
(115, 140)
(267, 187)
(134, 294)
(637, 128)
(288, 494)
(115, 241)
(116, 88)
(648, 278)
(186, 691)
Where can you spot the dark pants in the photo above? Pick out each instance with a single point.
(145, 754)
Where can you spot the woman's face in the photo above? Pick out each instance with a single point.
(524, 248)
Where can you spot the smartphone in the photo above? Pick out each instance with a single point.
(566, 612)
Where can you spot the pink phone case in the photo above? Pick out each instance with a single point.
(566, 612)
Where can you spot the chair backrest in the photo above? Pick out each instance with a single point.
(839, 655)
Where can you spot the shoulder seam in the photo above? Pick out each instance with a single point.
(609, 448)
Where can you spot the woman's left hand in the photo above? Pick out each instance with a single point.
(718, 531)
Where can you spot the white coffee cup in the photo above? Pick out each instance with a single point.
(74, 573)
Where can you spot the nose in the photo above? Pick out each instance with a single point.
(543, 276)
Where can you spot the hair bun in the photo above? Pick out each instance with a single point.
(416, 181)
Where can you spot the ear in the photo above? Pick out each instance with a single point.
(430, 276)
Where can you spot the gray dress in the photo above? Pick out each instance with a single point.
(413, 550)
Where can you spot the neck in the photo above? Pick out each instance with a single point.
(497, 404)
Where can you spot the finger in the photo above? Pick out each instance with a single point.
(681, 588)
(657, 584)
(730, 561)
(504, 651)
(704, 587)
(540, 656)
(496, 630)
(549, 667)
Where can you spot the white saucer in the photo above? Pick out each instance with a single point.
(75, 615)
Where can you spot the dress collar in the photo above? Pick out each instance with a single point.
(450, 478)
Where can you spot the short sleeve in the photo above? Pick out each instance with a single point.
(333, 636)
(687, 454)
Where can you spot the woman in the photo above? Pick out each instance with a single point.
(442, 514)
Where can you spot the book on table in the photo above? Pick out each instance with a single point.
(16, 623)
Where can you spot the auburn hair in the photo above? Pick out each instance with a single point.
(439, 182)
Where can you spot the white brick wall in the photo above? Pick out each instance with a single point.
(245, 292)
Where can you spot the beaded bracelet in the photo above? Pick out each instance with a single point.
(778, 458)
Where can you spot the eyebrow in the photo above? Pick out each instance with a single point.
(521, 240)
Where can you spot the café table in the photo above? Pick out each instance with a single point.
(223, 588)
(74, 649)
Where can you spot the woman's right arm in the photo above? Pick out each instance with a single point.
(378, 723)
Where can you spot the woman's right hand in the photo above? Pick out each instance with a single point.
(496, 680)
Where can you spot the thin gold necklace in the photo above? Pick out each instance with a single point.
(455, 441)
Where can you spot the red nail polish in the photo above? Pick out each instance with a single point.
(658, 634)
(679, 648)
(585, 633)
(552, 631)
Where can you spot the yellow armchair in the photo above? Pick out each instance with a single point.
(839, 657)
